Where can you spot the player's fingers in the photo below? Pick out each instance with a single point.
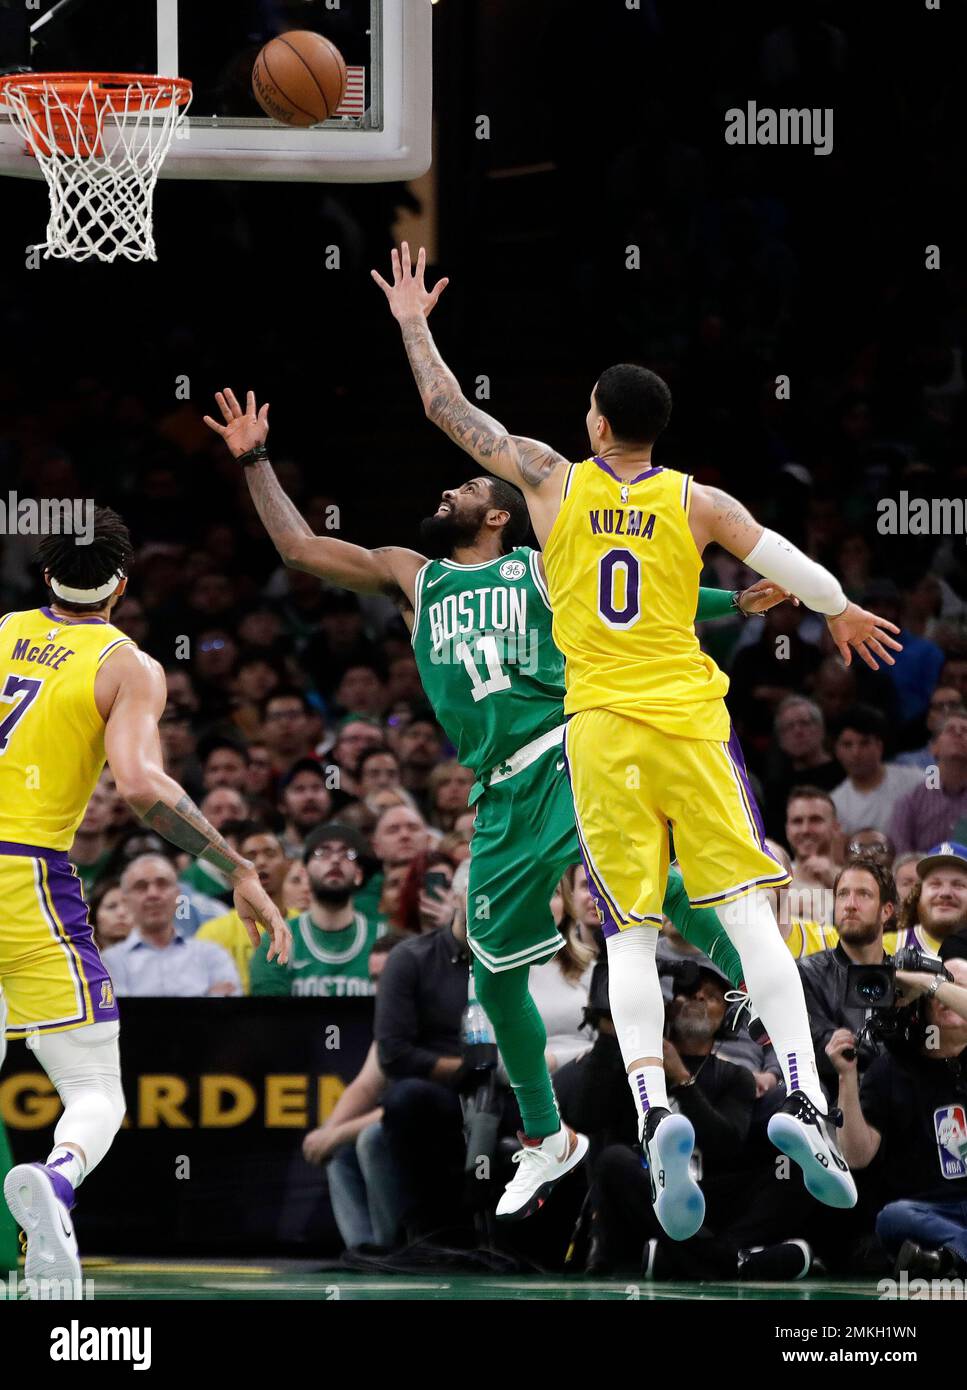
(236, 409)
(214, 425)
(882, 652)
(867, 655)
(264, 414)
(405, 257)
(438, 290)
(223, 407)
(421, 263)
(397, 273)
(250, 403)
(888, 641)
(845, 653)
(251, 928)
(380, 281)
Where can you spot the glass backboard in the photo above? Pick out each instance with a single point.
(381, 131)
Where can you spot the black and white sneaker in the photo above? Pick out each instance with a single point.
(808, 1138)
(667, 1142)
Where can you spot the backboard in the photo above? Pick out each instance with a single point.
(382, 130)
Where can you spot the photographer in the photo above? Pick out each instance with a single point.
(864, 907)
(910, 1118)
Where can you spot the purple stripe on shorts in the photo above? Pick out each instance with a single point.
(734, 749)
(607, 912)
(64, 889)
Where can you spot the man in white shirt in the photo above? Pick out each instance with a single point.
(872, 787)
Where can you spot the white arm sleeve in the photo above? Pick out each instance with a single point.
(779, 560)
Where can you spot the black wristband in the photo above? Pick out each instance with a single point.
(254, 455)
(736, 595)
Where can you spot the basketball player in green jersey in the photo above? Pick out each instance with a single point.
(481, 628)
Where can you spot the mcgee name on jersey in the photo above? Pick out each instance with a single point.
(610, 521)
(43, 656)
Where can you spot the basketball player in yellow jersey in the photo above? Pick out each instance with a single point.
(649, 744)
(76, 691)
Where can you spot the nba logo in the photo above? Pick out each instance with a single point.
(107, 995)
(624, 494)
(950, 1123)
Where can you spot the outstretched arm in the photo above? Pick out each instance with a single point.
(715, 516)
(391, 570)
(526, 463)
(133, 748)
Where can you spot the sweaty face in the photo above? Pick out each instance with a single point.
(457, 520)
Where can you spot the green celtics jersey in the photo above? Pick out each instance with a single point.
(333, 964)
(489, 666)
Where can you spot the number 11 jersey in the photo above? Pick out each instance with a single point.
(623, 577)
(487, 659)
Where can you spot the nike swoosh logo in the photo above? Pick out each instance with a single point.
(560, 766)
(66, 1229)
(430, 582)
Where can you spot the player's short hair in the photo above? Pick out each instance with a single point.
(88, 566)
(635, 402)
(507, 498)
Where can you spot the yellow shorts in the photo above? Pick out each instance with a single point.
(633, 783)
(51, 974)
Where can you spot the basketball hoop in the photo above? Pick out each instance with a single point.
(100, 139)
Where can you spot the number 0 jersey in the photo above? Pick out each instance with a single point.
(488, 663)
(51, 733)
(623, 576)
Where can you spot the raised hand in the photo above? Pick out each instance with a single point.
(243, 429)
(408, 296)
(855, 627)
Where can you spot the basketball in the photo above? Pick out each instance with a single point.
(299, 78)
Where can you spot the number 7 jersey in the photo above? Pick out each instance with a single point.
(51, 733)
(483, 644)
(623, 577)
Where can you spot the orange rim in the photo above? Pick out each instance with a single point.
(102, 85)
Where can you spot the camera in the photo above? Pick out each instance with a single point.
(873, 987)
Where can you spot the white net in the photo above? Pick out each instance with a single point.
(100, 146)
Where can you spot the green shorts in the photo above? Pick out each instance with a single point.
(523, 840)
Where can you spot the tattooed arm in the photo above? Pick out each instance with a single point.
(526, 463)
(390, 570)
(130, 693)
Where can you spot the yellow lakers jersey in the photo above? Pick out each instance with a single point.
(51, 734)
(622, 573)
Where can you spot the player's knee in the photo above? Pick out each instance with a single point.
(86, 1059)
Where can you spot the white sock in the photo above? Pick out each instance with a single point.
(648, 1088)
(638, 1012)
(67, 1163)
(775, 986)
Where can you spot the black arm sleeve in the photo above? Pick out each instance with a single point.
(397, 1019)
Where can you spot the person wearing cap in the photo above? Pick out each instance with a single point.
(305, 801)
(917, 667)
(932, 810)
(332, 940)
(937, 908)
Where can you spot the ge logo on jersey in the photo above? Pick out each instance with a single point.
(513, 569)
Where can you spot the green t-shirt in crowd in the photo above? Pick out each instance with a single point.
(330, 964)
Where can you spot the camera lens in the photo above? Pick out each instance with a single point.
(871, 991)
